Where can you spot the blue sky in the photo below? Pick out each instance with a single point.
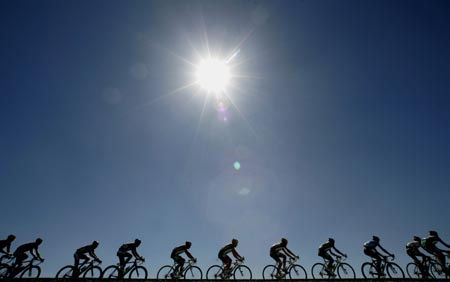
(339, 120)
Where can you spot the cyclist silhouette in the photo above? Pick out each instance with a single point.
(412, 249)
(370, 249)
(176, 256)
(82, 253)
(326, 250)
(20, 253)
(223, 255)
(279, 251)
(5, 245)
(124, 253)
(429, 244)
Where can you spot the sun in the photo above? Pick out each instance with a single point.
(213, 75)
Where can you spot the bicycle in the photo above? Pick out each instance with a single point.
(31, 270)
(238, 271)
(437, 270)
(5, 265)
(413, 270)
(87, 269)
(295, 271)
(369, 269)
(343, 269)
(190, 271)
(135, 270)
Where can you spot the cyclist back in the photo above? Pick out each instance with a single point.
(124, 253)
(429, 244)
(84, 253)
(279, 251)
(176, 256)
(32, 248)
(370, 249)
(326, 250)
(5, 245)
(223, 255)
(412, 249)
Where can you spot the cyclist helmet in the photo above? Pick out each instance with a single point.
(376, 238)
(284, 241)
(331, 240)
(137, 242)
(188, 244)
(234, 242)
(11, 238)
(95, 243)
(416, 238)
(38, 241)
(433, 233)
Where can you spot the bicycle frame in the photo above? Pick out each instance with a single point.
(235, 265)
(290, 262)
(6, 259)
(29, 264)
(87, 265)
(190, 263)
(134, 264)
(338, 261)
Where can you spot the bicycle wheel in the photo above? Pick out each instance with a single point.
(368, 270)
(346, 271)
(111, 271)
(318, 271)
(4, 270)
(93, 272)
(413, 271)
(214, 272)
(436, 270)
(242, 272)
(394, 270)
(269, 272)
(164, 272)
(31, 272)
(65, 272)
(193, 272)
(139, 272)
(297, 272)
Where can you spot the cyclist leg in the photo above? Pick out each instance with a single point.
(283, 257)
(276, 258)
(376, 256)
(227, 263)
(413, 254)
(328, 258)
(77, 257)
(20, 257)
(124, 257)
(180, 262)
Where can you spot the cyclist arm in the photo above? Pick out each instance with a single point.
(236, 254)
(135, 254)
(92, 254)
(35, 253)
(384, 250)
(189, 255)
(443, 243)
(4, 252)
(289, 253)
(339, 252)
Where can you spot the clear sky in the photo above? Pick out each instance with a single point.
(338, 115)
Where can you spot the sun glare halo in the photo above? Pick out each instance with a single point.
(213, 75)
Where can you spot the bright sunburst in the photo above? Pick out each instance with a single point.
(213, 75)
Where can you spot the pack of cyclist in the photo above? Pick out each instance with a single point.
(278, 252)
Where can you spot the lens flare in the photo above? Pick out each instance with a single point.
(213, 75)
